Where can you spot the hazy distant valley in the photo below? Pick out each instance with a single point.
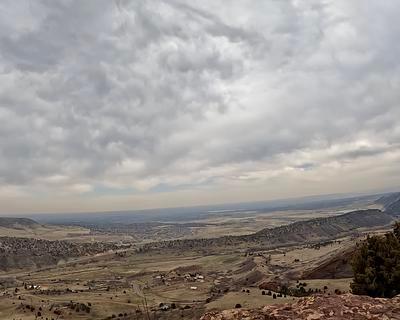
(196, 222)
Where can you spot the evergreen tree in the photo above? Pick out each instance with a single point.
(376, 266)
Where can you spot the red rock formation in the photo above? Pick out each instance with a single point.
(270, 285)
(335, 307)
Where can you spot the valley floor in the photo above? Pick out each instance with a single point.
(184, 284)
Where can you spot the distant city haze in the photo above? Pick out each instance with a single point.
(122, 105)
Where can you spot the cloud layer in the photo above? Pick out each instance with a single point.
(219, 100)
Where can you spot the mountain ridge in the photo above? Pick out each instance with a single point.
(298, 232)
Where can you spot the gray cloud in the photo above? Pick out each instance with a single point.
(123, 94)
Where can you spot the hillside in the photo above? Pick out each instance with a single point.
(394, 208)
(324, 228)
(335, 267)
(17, 223)
(31, 253)
(334, 307)
(391, 203)
(388, 199)
(299, 232)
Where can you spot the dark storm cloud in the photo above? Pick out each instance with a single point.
(145, 93)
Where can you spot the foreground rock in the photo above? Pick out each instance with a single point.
(335, 307)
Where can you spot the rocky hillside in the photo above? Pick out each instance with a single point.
(16, 223)
(299, 232)
(31, 253)
(334, 307)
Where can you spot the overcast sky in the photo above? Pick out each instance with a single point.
(108, 105)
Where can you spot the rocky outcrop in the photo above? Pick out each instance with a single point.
(335, 307)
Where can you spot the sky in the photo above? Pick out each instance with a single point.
(116, 105)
